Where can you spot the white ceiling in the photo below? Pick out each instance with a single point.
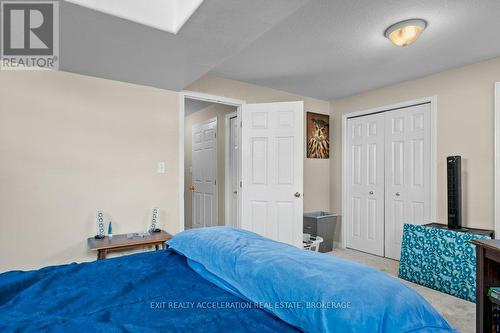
(168, 15)
(102, 45)
(320, 48)
(329, 49)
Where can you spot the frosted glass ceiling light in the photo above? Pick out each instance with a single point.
(405, 32)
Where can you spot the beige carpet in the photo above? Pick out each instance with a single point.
(460, 313)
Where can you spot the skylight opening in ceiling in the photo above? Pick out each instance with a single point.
(167, 15)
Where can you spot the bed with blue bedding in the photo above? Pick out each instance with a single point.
(214, 280)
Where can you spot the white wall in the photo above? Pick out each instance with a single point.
(316, 171)
(70, 145)
(464, 127)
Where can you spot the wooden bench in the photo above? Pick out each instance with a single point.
(120, 242)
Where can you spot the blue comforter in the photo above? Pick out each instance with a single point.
(315, 292)
(147, 292)
(214, 280)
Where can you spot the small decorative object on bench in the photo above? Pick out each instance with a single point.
(155, 220)
(110, 229)
(440, 259)
(125, 241)
(100, 225)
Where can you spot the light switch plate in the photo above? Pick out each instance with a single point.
(161, 167)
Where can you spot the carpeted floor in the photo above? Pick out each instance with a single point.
(460, 313)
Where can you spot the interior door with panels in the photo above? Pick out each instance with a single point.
(365, 174)
(204, 172)
(272, 170)
(408, 172)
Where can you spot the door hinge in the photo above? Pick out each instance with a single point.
(215, 182)
(241, 124)
(241, 184)
(215, 134)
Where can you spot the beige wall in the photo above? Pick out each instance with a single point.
(464, 127)
(218, 111)
(70, 145)
(316, 171)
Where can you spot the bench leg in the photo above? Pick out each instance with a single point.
(101, 254)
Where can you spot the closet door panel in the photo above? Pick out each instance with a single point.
(407, 176)
(365, 205)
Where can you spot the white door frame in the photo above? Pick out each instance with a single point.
(201, 97)
(497, 161)
(227, 167)
(433, 102)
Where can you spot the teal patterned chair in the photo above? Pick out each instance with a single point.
(440, 259)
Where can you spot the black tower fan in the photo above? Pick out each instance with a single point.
(454, 166)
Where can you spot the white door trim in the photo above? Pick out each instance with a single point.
(227, 181)
(497, 160)
(201, 97)
(212, 98)
(433, 102)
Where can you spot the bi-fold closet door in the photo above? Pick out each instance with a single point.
(389, 178)
(365, 206)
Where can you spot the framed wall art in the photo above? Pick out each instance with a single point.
(318, 135)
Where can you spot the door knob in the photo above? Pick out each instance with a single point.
(371, 192)
(398, 194)
(235, 192)
(297, 194)
(191, 188)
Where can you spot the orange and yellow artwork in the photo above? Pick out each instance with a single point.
(318, 135)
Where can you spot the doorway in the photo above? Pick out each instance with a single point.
(270, 141)
(208, 139)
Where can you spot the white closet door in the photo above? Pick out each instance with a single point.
(407, 177)
(204, 172)
(365, 174)
(272, 170)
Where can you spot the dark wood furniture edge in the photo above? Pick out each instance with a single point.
(122, 245)
(479, 284)
(103, 246)
(487, 273)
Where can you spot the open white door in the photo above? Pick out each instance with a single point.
(272, 170)
(204, 185)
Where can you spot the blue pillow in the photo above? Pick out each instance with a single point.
(313, 291)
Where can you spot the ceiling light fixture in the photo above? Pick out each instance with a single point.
(405, 32)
